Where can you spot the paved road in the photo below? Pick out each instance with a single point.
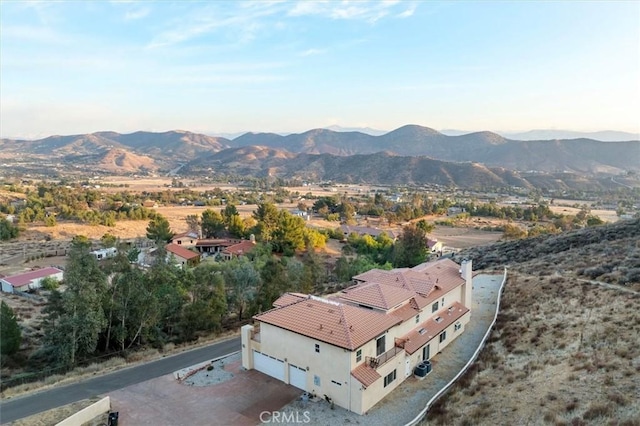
(20, 407)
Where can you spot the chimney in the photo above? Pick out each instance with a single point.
(466, 271)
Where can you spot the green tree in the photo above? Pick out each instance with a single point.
(72, 329)
(49, 283)
(159, 230)
(236, 226)
(108, 240)
(411, 248)
(212, 224)
(289, 236)
(243, 281)
(425, 226)
(267, 217)
(7, 230)
(10, 334)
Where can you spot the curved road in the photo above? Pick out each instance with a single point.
(24, 406)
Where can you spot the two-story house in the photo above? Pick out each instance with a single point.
(358, 345)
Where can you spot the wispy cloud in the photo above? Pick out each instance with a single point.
(369, 11)
(244, 24)
(312, 52)
(134, 14)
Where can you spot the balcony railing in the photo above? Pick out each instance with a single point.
(382, 359)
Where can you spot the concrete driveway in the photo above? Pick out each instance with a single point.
(237, 401)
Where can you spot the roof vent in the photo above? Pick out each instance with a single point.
(438, 319)
(422, 331)
(320, 326)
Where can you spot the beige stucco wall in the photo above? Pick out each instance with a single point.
(331, 363)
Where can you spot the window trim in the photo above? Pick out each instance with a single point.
(359, 355)
(390, 378)
(435, 306)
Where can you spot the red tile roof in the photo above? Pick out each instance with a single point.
(240, 248)
(181, 251)
(376, 295)
(365, 374)
(19, 280)
(288, 298)
(335, 323)
(222, 242)
(414, 340)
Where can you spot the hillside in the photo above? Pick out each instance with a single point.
(379, 168)
(565, 341)
(170, 149)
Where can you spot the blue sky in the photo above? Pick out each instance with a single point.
(78, 67)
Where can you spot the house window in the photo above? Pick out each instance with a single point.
(434, 307)
(417, 319)
(359, 355)
(389, 378)
(443, 336)
(442, 303)
(179, 242)
(380, 345)
(457, 327)
(425, 353)
(317, 348)
(316, 380)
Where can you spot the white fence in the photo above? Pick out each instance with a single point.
(88, 414)
(446, 387)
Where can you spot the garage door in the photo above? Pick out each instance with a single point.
(268, 365)
(298, 377)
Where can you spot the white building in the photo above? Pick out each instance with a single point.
(29, 280)
(358, 345)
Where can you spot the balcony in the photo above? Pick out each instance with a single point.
(382, 359)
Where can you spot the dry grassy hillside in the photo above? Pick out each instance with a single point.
(565, 347)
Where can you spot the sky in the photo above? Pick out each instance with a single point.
(277, 66)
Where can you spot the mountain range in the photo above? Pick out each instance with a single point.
(413, 153)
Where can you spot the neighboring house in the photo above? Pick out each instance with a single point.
(357, 346)
(302, 213)
(185, 239)
(238, 250)
(104, 253)
(365, 230)
(29, 280)
(212, 246)
(435, 246)
(184, 257)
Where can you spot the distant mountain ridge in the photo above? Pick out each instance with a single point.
(552, 134)
(164, 151)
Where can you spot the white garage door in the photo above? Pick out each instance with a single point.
(298, 377)
(268, 365)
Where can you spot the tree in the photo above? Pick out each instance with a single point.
(193, 223)
(274, 283)
(7, 230)
(159, 229)
(228, 212)
(411, 248)
(108, 240)
(212, 224)
(267, 216)
(243, 280)
(425, 226)
(49, 283)
(10, 334)
(76, 317)
(236, 226)
(289, 235)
